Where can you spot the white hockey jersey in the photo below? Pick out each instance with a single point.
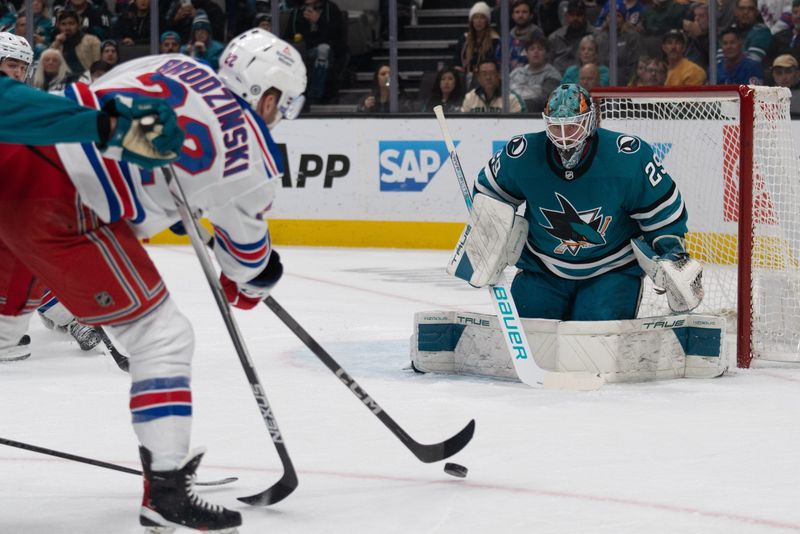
(229, 166)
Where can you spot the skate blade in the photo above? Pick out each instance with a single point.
(14, 354)
(171, 530)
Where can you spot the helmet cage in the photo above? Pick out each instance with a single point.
(568, 133)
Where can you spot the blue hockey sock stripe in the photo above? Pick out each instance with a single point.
(160, 397)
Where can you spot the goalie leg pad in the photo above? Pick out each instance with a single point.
(491, 238)
(460, 343)
(637, 350)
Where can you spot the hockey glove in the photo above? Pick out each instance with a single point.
(492, 239)
(247, 295)
(672, 270)
(147, 145)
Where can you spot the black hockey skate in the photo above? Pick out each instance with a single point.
(86, 336)
(170, 501)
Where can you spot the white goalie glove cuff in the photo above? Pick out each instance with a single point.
(492, 238)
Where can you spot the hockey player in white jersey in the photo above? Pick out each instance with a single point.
(89, 255)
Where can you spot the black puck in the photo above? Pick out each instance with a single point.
(455, 470)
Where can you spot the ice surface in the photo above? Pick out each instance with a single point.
(683, 456)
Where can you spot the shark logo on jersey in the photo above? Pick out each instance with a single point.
(628, 144)
(516, 147)
(575, 229)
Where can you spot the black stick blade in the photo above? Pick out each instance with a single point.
(445, 449)
(120, 359)
(279, 491)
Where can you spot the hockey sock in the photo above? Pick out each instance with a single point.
(160, 347)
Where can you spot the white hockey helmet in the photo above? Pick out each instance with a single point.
(256, 61)
(15, 47)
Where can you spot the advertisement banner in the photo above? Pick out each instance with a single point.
(387, 182)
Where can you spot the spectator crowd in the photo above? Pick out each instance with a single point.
(659, 42)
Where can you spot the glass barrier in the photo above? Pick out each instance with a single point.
(377, 57)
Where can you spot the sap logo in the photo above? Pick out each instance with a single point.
(410, 165)
(313, 166)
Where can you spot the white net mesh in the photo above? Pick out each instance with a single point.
(697, 136)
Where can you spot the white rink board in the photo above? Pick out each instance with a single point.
(397, 169)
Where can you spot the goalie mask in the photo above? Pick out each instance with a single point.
(15, 47)
(256, 61)
(569, 120)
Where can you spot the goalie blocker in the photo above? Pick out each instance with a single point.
(655, 348)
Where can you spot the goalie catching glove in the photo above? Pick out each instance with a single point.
(146, 134)
(248, 294)
(672, 271)
(492, 239)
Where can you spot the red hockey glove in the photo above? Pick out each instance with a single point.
(247, 295)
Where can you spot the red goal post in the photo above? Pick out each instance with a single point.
(729, 148)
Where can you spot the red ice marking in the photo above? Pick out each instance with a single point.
(472, 485)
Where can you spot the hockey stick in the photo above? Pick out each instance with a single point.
(525, 365)
(426, 453)
(98, 463)
(288, 482)
(120, 359)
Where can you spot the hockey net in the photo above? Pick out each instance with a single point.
(730, 150)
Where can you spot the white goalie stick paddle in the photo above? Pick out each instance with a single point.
(288, 482)
(526, 367)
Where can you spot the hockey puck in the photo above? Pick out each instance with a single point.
(455, 470)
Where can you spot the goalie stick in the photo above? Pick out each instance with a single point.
(526, 367)
(288, 482)
(426, 453)
(98, 463)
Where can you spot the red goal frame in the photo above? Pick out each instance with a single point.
(745, 208)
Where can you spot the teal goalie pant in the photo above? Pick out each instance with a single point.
(610, 296)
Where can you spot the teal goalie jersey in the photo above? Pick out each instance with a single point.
(581, 220)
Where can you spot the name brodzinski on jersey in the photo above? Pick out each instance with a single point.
(221, 101)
